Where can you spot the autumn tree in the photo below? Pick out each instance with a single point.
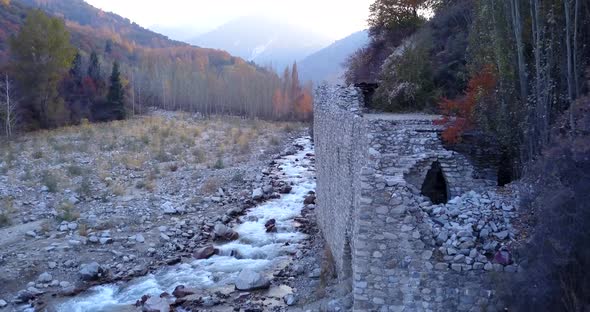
(460, 114)
(391, 15)
(40, 73)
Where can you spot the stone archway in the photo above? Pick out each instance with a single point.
(435, 185)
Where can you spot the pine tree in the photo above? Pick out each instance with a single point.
(116, 95)
(94, 68)
(76, 72)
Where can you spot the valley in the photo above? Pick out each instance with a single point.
(103, 217)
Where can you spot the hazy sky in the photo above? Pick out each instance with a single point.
(333, 18)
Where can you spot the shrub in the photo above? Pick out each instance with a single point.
(50, 180)
(219, 163)
(406, 78)
(210, 185)
(238, 177)
(556, 258)
(6, 207)
(118, 189)
(162, 155)
(274, 141)
(75, 170)
(200, 156)
(67, 212)
(4, 219)
(85, 188)
(173, 167)
(38, 154)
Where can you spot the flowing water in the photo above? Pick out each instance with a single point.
(255, 250)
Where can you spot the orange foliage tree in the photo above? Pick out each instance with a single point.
(459, 114)
(290, 100)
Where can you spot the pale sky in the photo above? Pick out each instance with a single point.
(332, 18)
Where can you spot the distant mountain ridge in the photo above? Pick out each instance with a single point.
(263, 41)
(326, 64)
(86, 15)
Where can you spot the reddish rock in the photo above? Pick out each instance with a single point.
(503, 257)
(181, 291)
(205, 252)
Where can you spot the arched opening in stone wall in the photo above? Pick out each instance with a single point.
(435, 185)
(505, 172)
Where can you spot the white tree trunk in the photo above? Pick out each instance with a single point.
(568, 44)
(575, 52)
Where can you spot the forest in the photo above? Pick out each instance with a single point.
(515, 72)
(103, 67)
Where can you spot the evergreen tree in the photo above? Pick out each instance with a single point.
(40, 73)
(116, 95)
(76, 71)
(94, 68)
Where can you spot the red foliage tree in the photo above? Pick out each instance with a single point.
(459, 114)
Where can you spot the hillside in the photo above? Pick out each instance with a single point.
(263, 41)
(327, 64)
(158, 71)
(86, 15)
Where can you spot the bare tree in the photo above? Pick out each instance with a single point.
(517, 27)
(570, 70)
(8, 105)
(575, 52)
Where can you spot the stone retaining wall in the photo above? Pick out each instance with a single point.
(379, 227)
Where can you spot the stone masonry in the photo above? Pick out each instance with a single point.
(401, 251)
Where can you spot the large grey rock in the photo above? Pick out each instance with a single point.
(45, 278)
(168, 208)
(91, 271)
(257, 194)
(27, 294)
(290, 299)
(250, 280)
(222, 232)
(3, 303)
(156, 304)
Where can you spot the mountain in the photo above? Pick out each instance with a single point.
(263, 41)
(161, 72)
(326, 64)
(85, 15)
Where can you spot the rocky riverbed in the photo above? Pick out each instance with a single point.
(62, 242)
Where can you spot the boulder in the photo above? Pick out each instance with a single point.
(309, 200)
(270, 226)
(285, 189)
(91, 271)
(168, 208)
(267, 189)
(257, 194)
(290, 299)
(181, 291)
(250, 280)
(27, 294)
(45, 278)
(503, 257)
(205, 252)
(156, 304)
(222, 232)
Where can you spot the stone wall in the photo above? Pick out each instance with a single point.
(404, 252)
(338, 144)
